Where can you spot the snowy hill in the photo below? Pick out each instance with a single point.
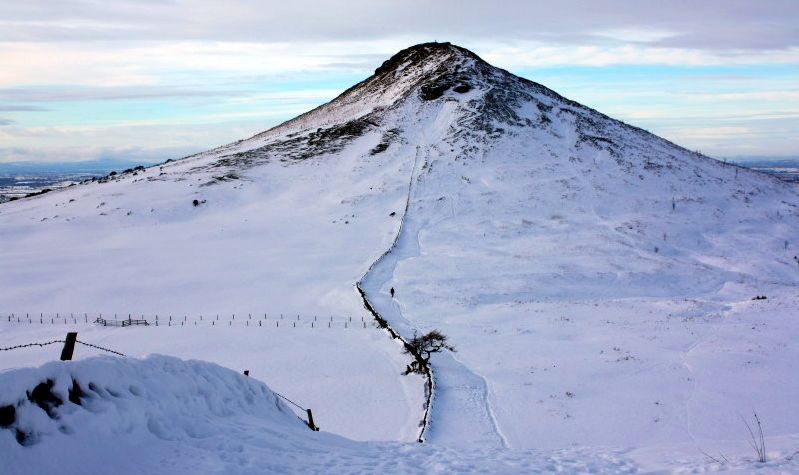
(595, 279)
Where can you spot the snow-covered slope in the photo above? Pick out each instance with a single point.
(109, 406)
(595, 279)
(165, 415)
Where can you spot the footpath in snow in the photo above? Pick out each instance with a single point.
(461, 411)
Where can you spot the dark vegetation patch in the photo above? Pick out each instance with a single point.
(36, 193)
(134, 170)
(585, 125)
(301, 146)
(598, 142)
(432, 91)
(543, 117)
(379, 148)
(389, 137)
(652, 165)
(222, 179)
(498, 109)
(436, 88)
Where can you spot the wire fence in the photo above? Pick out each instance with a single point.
(216, 320)
(27, 345)
(31, 344)
(99, 347)
(290, 401)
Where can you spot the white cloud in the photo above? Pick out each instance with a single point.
(541, 55)
(83, 50)
(636, 35)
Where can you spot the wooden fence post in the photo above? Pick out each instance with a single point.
(69, 346)
(310, 421)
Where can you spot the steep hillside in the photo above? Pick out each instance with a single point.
(596, 280)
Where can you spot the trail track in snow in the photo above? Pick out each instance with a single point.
(428, 371)
(461, 397)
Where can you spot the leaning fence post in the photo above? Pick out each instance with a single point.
(69, 346)
(310, 420)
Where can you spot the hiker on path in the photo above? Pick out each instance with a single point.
(392, 292)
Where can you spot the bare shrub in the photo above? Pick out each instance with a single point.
(756, 440)
(423, 347)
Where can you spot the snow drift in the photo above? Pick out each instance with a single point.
(106, 406)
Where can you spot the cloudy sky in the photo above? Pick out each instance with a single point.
(154, 79)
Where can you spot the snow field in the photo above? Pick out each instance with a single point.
(596, 281)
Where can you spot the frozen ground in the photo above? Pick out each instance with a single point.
(596, 280)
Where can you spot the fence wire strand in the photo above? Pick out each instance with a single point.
(27, 345)
(289, 400)
(99, 347)
(31, 344)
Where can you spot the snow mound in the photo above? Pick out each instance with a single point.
(103, 404)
